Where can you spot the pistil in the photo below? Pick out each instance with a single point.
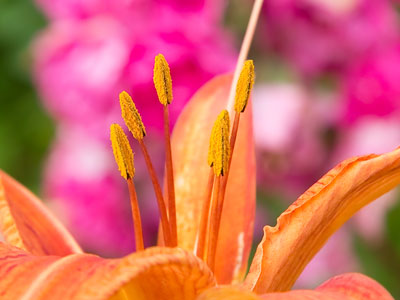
(124, 158)
(163, 84)
(135, 125)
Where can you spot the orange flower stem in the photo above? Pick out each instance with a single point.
(204, 216)
(214, 224)
(159, 196)
(137, 222)
(170, 179)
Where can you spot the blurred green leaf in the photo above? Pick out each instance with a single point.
(393, 227)
(378, 262)
(25, 129)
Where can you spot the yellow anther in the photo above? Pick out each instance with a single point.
(244, 86)
(122, 151)
(219, 150)
(131, 116)
(162, 80)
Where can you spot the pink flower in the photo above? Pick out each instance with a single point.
(79, 67)
(324, 35)
(290, 124)
(371, 87)
(60, 9)
(82, 64)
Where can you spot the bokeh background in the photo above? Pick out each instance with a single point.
(327, 88)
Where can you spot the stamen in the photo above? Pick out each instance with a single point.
(243, 91)
(219, 155)
(163, 84)
(162, 80)
(244, 86)
(205, 212)
(131, 116)
(124, 158)
(122, 151)
(219, 150)
(135, 125)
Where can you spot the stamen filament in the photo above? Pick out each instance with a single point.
(215, 219)
(205, 212)
(160, 200)
(137, 222)
(170, 179)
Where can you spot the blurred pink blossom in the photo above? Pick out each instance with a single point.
(371, 86)
(289, 124)
(210, 10)
(327, 35)
(82, 64)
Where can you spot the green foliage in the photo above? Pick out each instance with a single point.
(393, 228)
(25, 130)
(378, 261)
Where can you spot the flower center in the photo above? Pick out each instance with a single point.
(222, 143)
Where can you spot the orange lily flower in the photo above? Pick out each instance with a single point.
(40, 259)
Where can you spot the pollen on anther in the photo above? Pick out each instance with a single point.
(244, 86)
(162, 79)
(131, 116)
(122, 151)
(219, 150)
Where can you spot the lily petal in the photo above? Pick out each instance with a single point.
(351, 286)
(228, 293)
(307, 224)
(355, 286)
(26, 223)
(190, 143)
(156, 273)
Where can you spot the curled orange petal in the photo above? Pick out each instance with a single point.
(307, 224)
(156, 273)
(26, 223)
(190, 142)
